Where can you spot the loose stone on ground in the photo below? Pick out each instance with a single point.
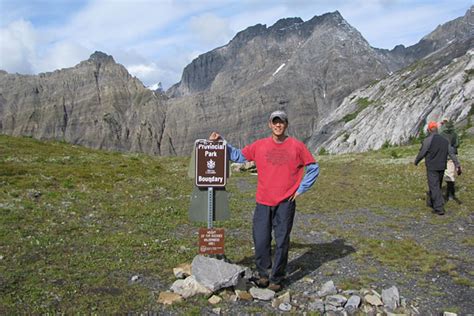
(169, 298)
(230, 283)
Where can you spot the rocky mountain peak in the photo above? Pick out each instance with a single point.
(284, 24)
(101, 57)
(457, 29)
(249, 33)
(287, 34)
(334, 18)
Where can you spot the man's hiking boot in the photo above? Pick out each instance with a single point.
(262, 282)
(439, 212)
(275, 287)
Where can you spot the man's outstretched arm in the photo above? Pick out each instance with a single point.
(235, 154)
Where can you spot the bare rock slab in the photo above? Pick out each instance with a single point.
(352, 304)
(327, 288)
(189, 287)
(243, 295)
(215, 274)
(182, 271)
(262, 294)
(169, 298)
(317, 306)
(285, 307)
(284, 298)
(336, 300)
(373, 300)
(391, 297)
(214, 299)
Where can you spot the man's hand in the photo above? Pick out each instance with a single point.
(459, 171)
(293, 197)
(215, 136)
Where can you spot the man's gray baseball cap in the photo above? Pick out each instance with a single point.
(279, 114)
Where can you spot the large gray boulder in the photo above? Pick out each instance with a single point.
(215, 274)
(391, 297)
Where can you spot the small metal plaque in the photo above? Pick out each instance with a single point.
(211, 241)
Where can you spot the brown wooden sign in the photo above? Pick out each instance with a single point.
(211, 163)
(211, 241)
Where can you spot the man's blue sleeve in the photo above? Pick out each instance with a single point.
(312, 172)
(235, 154)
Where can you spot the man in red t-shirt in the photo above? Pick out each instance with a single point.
(281, 162)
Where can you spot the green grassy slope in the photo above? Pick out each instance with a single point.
(77, 224)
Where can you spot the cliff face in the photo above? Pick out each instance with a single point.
(305, 68)
(394, 110)
(95, 104)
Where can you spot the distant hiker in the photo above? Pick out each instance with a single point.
(281, 162)
(435, 150)
(450, 134)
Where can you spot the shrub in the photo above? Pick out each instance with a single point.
(395, 154)
(386, 144)
(362, 103)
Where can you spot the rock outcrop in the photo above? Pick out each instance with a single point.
(97, 104)
(394, 110)
(305, 68)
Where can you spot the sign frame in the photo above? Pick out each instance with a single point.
(220, 154)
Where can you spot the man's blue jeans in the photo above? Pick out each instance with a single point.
(280, 219)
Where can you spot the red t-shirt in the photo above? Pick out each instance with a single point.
(280, 167)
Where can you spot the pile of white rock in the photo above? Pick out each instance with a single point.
(222, 281)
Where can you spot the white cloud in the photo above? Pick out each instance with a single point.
(150, 74)
(211, 29)
(119, 22)
(268, 16)
(385, 26)
(143, 70)
(17, 47)
(61, 55)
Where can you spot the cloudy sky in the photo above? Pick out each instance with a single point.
(156, 39)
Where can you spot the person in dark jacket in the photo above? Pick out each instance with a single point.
(435, 150)
(450, 134)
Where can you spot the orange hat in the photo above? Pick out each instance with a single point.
(432, 125)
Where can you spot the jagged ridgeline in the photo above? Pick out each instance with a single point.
(341, 94)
